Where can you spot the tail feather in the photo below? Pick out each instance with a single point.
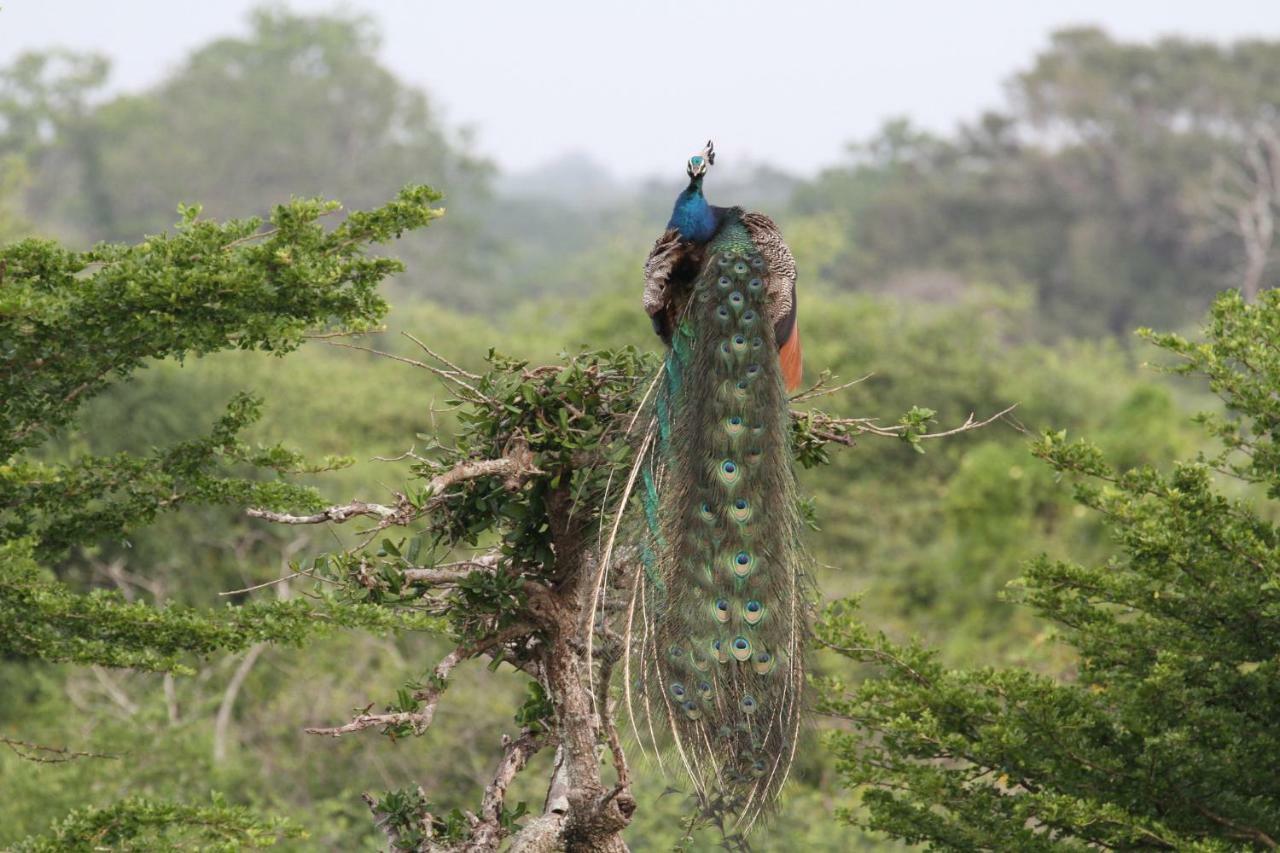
(721, 656)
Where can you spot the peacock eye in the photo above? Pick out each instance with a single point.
(723, 312)
(729, 467)
(722, 604)
(739, 340)
(742, 386)
(743, 558)
(748, 703)
(757, 262)
(740, 503)
(748, 316)
(755, 284)
(753, 369)
(753, 606)
(724, 282)
(763, 657)
(756, 343)
(735, 420)
(740, 644)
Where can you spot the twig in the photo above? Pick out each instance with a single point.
(428, 695)
(818, 389)
(48, 754)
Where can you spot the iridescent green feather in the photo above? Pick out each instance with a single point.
(723, 660)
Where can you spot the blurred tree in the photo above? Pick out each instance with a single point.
(1091, 187)
(300, 106)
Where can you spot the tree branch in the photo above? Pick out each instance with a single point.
(430, 694)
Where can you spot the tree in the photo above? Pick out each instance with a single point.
(72, 323)
(1163, 735)
(301, 105)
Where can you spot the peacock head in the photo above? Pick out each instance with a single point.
(700, 162)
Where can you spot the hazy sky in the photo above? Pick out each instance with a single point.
(641, 84)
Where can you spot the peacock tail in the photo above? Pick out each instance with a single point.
(718, 628)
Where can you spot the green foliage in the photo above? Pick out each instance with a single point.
(1163, 737)
(206, 288)
(138, 823)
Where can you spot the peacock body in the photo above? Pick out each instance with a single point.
(721, 627)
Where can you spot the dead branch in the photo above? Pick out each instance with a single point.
(516, 753)
(48, 754)
(846, 430)
(336, 514)
(431, 693)
(514, 467)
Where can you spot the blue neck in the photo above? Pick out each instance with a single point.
(692, 216)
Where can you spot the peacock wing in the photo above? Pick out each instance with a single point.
(780, 290)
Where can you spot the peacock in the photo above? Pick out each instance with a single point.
(717, 628)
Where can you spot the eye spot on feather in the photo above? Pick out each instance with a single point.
(676, 653)
(741, 649)
(752, 612)
(754, 286)
(740, 510)
(724, 283)
(758, 768)
(753, 370)
(740, 268)
(706, 513)
(677, 690)
(748, 318)
(728, 472)
(749, 704)
(757, 262)
(734, 426)
(763, 663)
(742, 564)
(735, 300)
(719, 652)
(757, 343)
(705, 690)
(691, 709)
(722, 610)
(723, 261)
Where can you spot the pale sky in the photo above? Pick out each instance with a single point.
(639, 84)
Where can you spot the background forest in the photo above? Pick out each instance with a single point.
(1119, 186)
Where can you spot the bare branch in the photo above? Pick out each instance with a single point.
(48, 754)
(515, 755)
(846, 430)
(515, 467)
(335, 514)
(819, 389)
(430, 694)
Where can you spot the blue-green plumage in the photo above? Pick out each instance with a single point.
(722, 660)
